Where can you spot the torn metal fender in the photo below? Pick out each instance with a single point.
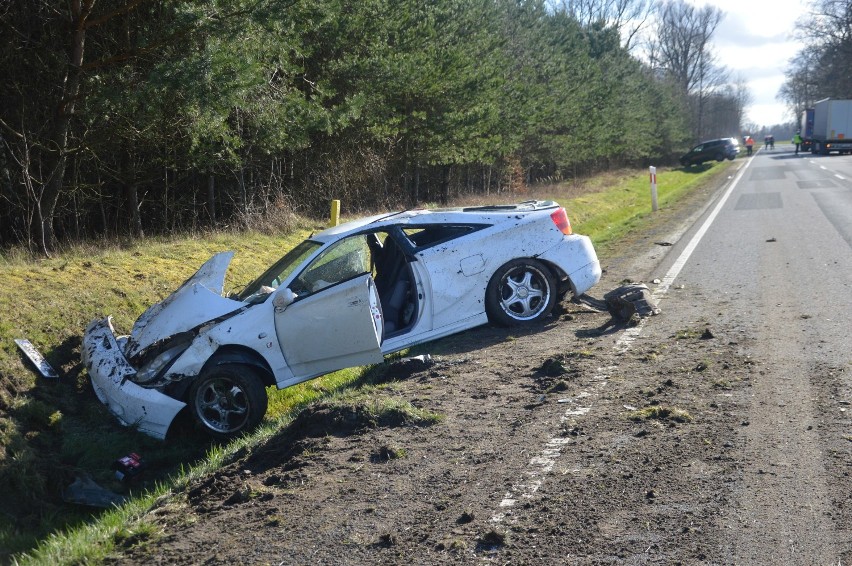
(246, 329)
(149, 410)
(196, 301)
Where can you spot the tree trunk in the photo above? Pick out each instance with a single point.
(52, 189)
(131, 194)
(244, 200)
(415, 193)
(445, 184)
(133, 207)
(211, 199)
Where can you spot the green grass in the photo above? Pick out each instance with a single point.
(607, 216)
(47, 427)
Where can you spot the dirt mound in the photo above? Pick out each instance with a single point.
(283, 457)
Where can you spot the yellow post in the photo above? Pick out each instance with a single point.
(335, 212)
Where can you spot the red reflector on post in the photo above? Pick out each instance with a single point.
(560, 218)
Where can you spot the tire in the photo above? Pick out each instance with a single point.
(522, 291)
(228, 400)
(720, 157)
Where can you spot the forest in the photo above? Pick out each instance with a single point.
(125, 118)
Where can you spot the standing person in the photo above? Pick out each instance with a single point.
(749, 145)
(797, 139)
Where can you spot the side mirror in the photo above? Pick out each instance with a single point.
(283, 299)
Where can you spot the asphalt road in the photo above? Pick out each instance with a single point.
(771, 258)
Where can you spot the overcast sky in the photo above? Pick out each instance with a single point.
(755, 40)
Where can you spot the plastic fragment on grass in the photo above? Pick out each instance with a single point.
(44, 368)
(84, 491)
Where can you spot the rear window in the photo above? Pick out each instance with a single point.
(426, 236)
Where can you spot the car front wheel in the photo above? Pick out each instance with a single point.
(228, 400)
(520, 292)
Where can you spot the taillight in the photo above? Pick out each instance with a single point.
(560, 218)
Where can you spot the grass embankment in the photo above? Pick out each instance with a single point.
(54, 431)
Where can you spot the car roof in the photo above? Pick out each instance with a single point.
(718, 140)
(424, 217)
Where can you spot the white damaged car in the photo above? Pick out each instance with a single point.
(344, 297)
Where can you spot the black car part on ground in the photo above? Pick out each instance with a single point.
(623, 302)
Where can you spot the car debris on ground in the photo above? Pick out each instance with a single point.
(624, 302)
(85, 491)
(41, 365)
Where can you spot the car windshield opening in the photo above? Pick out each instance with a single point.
(280, 270)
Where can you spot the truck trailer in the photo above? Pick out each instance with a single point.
(807, 129)
(832, 127)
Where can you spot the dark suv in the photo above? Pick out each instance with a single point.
(710, 150)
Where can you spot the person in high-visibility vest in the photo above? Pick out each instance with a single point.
(749, 145)
(797, 139)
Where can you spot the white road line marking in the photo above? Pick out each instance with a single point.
(542, 464)
(841, 177)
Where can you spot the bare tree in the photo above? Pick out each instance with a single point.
(823, 68)
(800, 89)
(829, 21)
(681, 45)
(680, 49)
(742, 97)
(628, 17)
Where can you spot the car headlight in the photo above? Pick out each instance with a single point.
(150, 371)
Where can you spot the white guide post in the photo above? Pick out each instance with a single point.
(653, 188)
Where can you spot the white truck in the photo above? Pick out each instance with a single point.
(832, 127)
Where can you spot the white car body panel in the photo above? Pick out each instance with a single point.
(252, 329)
(571, 255)
(401, 342)
(293, 338)
(450, 289)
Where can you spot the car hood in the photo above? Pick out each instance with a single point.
(198, 300)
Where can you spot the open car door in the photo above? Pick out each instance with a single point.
(337, 327)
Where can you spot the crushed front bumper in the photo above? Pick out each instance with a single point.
(146, 409)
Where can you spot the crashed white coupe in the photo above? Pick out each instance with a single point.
(342, 298)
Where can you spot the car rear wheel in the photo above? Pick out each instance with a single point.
(228, 400)
(520, 292)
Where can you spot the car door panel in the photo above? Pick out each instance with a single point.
(332, 329)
